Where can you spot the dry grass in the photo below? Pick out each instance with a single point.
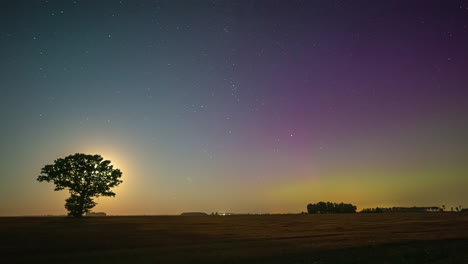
(357, 238)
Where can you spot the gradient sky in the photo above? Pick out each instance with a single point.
(237, 106)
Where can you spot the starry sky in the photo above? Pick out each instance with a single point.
(237, 106)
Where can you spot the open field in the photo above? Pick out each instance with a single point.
(356, 238)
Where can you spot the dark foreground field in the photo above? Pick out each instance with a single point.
(359, 238)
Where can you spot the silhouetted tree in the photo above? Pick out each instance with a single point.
(85, 176)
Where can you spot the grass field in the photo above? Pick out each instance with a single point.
(356, 238)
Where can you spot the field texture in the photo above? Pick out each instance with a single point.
(356, 238)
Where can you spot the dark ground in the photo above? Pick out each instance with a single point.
(356, 238)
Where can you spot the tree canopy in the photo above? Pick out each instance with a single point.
(85, 176)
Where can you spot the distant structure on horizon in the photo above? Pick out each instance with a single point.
(417, 209)
(403, 209)
(193, 214)
(225, 214)
(92, 214)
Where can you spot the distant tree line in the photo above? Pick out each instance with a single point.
(330, 208)
(341, 208)
(401, 209)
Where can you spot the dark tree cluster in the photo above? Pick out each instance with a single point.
(401, 209)
(330, 208)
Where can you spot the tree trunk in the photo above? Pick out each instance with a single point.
(81, 205)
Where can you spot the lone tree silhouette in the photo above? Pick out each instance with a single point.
(85, 176)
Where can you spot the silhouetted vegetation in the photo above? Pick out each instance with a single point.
(402, 209)
(85, 176)
(330, 208)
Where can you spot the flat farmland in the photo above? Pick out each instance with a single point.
(354, 238)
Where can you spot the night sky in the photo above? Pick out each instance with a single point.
(237, 106)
